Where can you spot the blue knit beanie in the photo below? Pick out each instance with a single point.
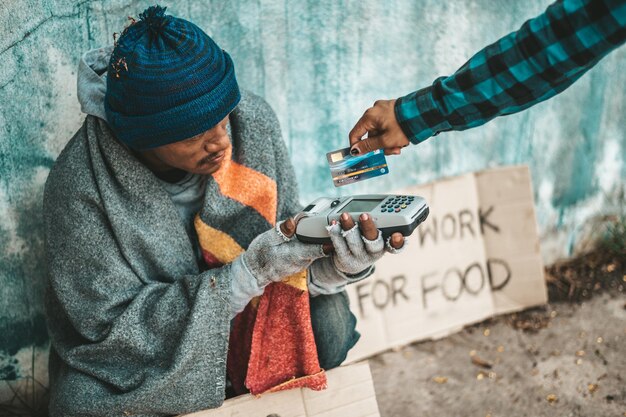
(167, 81)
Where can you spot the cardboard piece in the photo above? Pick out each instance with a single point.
(477, 255)
(350, 392)
(506, 193)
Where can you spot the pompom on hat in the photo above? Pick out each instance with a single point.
(167, 81)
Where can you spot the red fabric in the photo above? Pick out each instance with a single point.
(210, 260)
(271, 345)
(239, 346)
(283, 348)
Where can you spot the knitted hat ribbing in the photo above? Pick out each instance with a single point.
(167, 81)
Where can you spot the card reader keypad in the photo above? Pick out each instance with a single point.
(396, 203)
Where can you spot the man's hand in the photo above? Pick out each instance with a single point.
(368, 229)
(276, 254)
(356, 248)
(383, 130)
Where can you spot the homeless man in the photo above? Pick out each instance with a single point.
(163, 223)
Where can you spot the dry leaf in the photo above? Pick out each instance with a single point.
(440, 379)
(481, 362)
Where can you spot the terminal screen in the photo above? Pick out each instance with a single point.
(361, 206)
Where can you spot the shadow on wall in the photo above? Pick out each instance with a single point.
(24, 340)
(23, 270)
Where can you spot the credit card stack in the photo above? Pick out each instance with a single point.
(348, 169)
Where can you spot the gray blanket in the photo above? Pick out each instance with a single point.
(136, 328)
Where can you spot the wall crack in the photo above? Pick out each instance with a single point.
(7, 83)
(40, 24)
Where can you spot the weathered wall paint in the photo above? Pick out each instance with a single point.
(320, 64)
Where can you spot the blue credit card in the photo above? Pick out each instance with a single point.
(347, 169)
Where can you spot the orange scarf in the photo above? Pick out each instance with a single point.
(271, 346)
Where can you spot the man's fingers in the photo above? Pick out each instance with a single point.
(288, 227)
(360, 128)
(367, 226)
(397, 240)
(382, 127)
(393, 151)
(367, 145)
(340, 246)
(328, 248)
(346, 221)
(357, 132)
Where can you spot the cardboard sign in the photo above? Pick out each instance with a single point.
(350, 392)
(477, 255)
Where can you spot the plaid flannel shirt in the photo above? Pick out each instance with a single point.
(544, 57)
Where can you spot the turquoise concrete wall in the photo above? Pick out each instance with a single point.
(320, 64)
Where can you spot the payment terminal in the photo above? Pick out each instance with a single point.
(391, 213)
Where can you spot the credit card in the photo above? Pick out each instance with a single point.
(348, 169)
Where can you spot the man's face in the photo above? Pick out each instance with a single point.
(201, 154)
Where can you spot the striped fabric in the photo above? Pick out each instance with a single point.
(544, 57)
(249, 187)
(272, 346)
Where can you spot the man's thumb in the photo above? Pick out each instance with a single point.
(367, 145)
(288, 227)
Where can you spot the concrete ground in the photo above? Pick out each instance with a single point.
(573, 365)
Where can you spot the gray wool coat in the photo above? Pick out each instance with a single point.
(136, 328)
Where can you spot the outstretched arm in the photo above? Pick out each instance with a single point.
(544, 57)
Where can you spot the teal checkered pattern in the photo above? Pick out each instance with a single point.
(543, 58)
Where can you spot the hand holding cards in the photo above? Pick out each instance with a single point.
(348, 169)
(399, 214)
